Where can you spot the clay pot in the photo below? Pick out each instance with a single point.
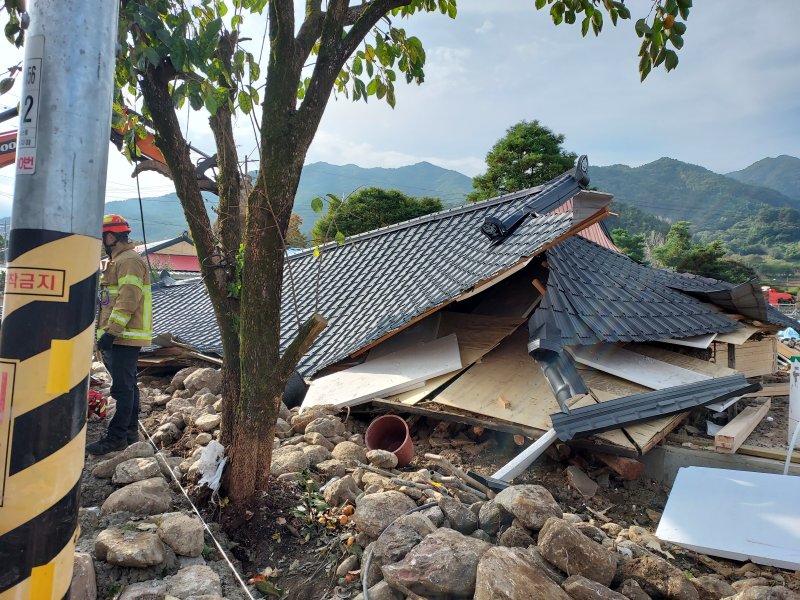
(390, 433)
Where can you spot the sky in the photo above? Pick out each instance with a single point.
(734, 98)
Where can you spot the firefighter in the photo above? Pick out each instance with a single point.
(124, 326)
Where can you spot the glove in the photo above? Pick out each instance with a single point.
(106, 341)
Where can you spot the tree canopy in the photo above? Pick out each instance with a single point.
(527, 155)
(174, 51)
(630, 245)
(707, 260)
(367, 209)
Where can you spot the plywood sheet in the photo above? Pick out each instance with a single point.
(697, 341)
(738, 337)
(684, 361)
(421, 332)
(507, 384)
(633, 366)
(386, 375)
(477, 335)
(739, 515)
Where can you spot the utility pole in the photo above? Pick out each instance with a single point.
(51, 288)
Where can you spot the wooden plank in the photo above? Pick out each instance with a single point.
(770, 391)
(507, 384)
(421, 332)
(770, 453)
(477, 335)
(634, 366)
(738, 337)
(683, 360)
(383, 376)
(733, 435)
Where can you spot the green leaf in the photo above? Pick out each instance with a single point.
(452, 10)
(340, 238)
(642, 28)
(679, 28)
(676, 40)
(152, 56)
(6, 85)
(317, 205)
(585, 26)
(372, 88)
(671, 60)
(269, 588)
(236, 21)
(358, 66)
(540, 4)
(245, 102)
(569, 17)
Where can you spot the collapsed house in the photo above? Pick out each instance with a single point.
(515, 313)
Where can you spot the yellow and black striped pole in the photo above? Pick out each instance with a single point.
(50, 290)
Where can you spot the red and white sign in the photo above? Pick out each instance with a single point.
(29, 106)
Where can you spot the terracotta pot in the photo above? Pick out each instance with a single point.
(390, 432)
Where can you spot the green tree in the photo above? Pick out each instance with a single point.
(528, 154)
(172, 52)
(706, 260)
(370, 208)
(630, 245)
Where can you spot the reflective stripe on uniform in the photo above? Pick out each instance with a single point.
(119, 317)
(131, 280)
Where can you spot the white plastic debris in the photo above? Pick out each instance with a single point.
(211, 463)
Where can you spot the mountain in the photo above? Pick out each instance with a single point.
(420, 179)
(781, 173)
(164, 217)
(679, 191)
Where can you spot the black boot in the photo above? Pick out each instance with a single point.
(105, 445)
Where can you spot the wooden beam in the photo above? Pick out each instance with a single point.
(539, 287)
(770, 391)
(526, 458)
(732, 436)
(770, 453)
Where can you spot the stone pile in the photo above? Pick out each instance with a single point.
(420, 539)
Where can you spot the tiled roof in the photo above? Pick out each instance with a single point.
(596, 295)
(378, 281)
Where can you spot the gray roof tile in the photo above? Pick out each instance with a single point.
(377, 281)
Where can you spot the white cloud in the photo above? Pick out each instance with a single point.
(485, 27)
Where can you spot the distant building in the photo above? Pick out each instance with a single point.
(178, 256)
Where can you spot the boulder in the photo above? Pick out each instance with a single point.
(658, 578)
(349, 453)
(208, 422)
(204, 378)
(182, 533)
(289, 462)
(328, 426)
(394, 543)
(84, 582)
(198, 580)
(509, 573)
(316, 454)
(106, 469)
(283, 429)
(516, 537)
(317, 439)
(461, 518)
(580, 588)
(532, 505)
(146, 590)
(442, 564)
(765, 593)
(580, 481)
(492, 516)
(178, 405)
(383, 459)
(203, 439)
(146, 497)
(712, 588)
(300, 421)
(376, 511)
(632, 590)
(136, 469)
(381, 591)
(435, 514)
(180, 377)
(749, 582)
(129, 548)
(205, 400)
(342, 491)
(331, 468)
(575, 554)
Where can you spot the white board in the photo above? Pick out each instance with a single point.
(735, 514)
(386, 375)
(634, 367)
(696, 341)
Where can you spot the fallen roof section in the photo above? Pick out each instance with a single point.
(381, 281)
(630, 410)
(597, 295)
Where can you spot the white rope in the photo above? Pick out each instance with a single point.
(199, 516)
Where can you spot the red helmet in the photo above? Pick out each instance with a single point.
(115, 224)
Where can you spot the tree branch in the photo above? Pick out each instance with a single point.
(206, 184)
(366, 20)
(306, 336)
(310, 30)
